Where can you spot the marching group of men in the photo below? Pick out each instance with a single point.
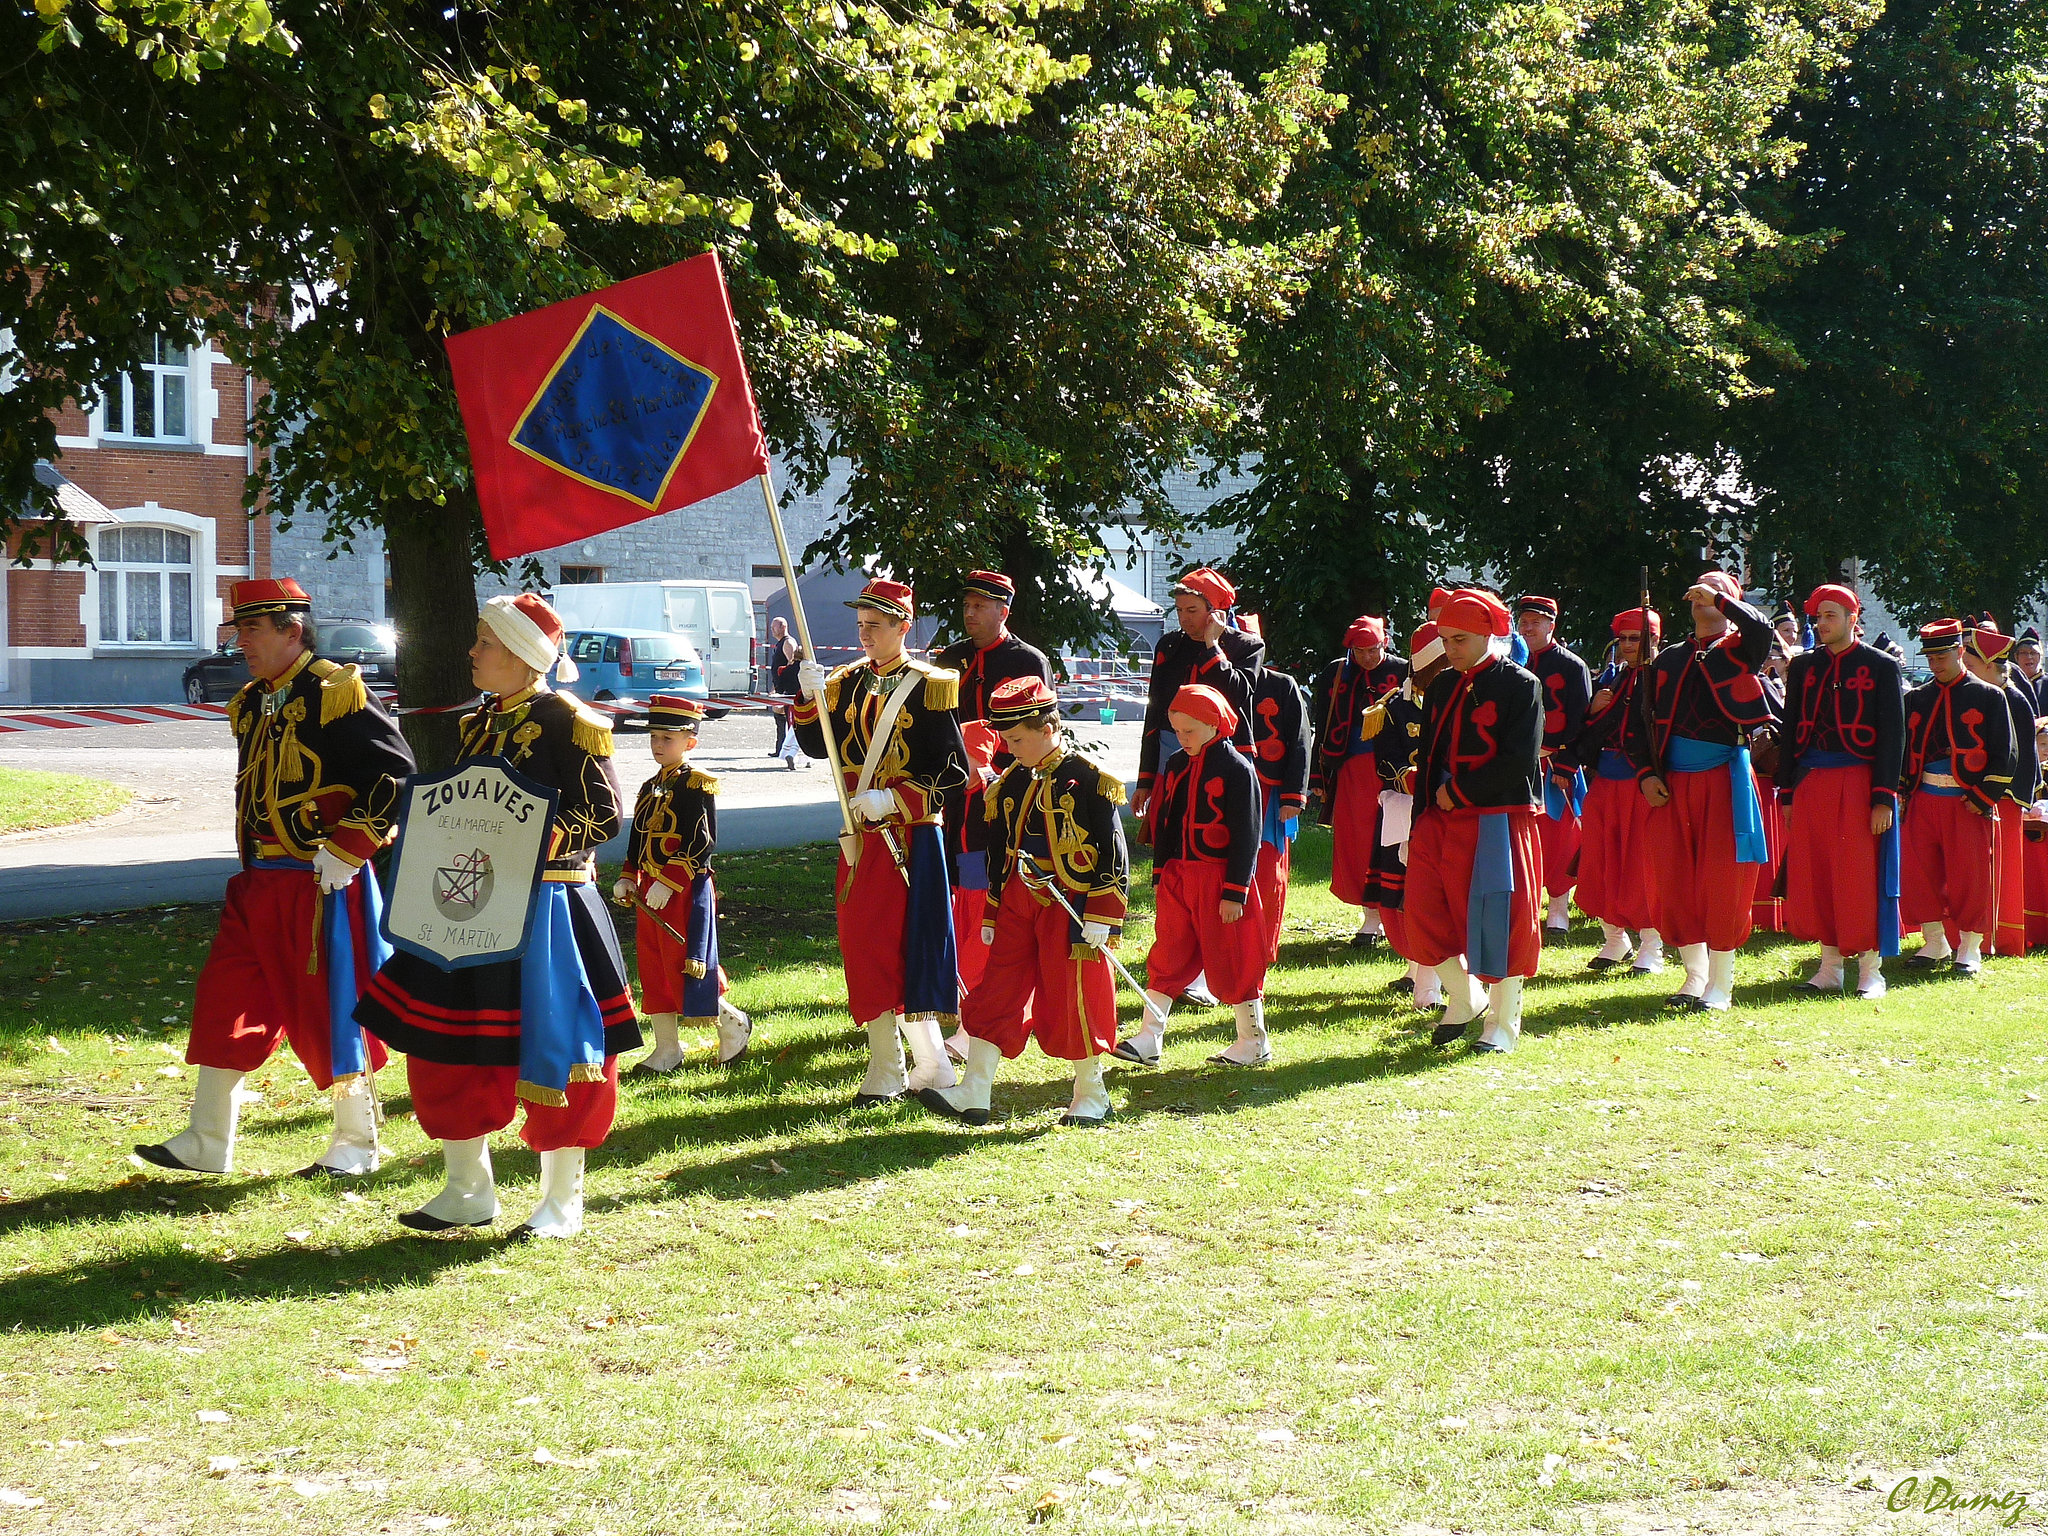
(1472, 788)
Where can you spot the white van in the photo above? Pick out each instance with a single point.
(716, 616)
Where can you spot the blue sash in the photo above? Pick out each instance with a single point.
(1555, 799)
(970, 866)
(1833, 760)
(1940, 765)
(1273, 829)
(1614, 765)
(561, 1031)
(1490, 901)
(1691, 755)
(340, 922)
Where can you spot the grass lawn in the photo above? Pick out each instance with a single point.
(1648, 1273)
(30, 799)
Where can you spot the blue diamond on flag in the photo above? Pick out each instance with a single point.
(617, 411)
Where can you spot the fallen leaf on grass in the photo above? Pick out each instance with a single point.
(854, 1432)
(221, 1466)
(1591, 1253)
(949, 1441)
(1049, 1504)
(1107, 1477)
(212, 1416)
(14, 1500)
(910, 1370)
(115, 1442)
(595, 1324)
(436, 1523)
(775, 1167)
(1548, 1477)
(1060, 1442)
(1277, 1436)
(306, 1489)
(1451, 1424)
(1011, 1483)
(385, 1362)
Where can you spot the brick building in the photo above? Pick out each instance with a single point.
(153, 476)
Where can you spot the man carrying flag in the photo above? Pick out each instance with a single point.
(1567, 690)
(901, 754)
(1839, 755)
(1344, 779)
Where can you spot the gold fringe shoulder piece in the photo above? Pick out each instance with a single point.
(341, 690)
(832, 682)
(238, 708)
(699, 779)
(941, 686)
(1372, 722)
(1111, 787)
(588, 729)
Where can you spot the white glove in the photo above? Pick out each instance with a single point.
(658, 896)
(1095, 935)
(988, 934)
(623, 889)
(332, 870)
(810, 679)
(875, 804)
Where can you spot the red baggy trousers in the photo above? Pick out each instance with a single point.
(1946, 865)
(1440, 854)
(1035, 985)
(1831, 861)
(1702, 895)
(1190, 938)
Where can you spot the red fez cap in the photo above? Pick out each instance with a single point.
(991, 584)
(1199, 701)
(1213, 587)
(1424, 646)
(1832, 593)
(674, 712)
(1365, 631)
(1529, 602)
(1720, 581)
(885, 596)
(1019, 700)
(247, 599)
(1988, 643)
(1639, 621)
(1941, 635)
(1475, 612)
(1438, 596)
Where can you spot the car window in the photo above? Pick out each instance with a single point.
(611, 647)
(354, 637)
(662, 648)
(727, 611)
(685, 608)
(588, 647)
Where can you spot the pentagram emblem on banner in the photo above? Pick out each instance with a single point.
(471, 846)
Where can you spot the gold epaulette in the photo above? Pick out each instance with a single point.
(1111, 787)
(1372, 722)
(238, 717)
(699, 779)
(341, 690)
(832, 685)
(941, 686)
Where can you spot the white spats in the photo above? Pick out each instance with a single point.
(1091, 1104)
(885, 1079)
(1828, 978)
(1143, 1046)
(931, 1067)
(1428, 990)
(1649, 952)
(1465, 998)
(1559, 918)
(1503, 1025)
(667, 1054)
(1969, 952)
(207, 1144)
(1694, 958)
(969, 1098)
(1934, 943)
(353, 1149)
(1250, 1049)
(1369, 921)
(1720, 992)
(470, 1196)
(560, 1212)
(1614, 946)
(735, 1032)
(1870, 974)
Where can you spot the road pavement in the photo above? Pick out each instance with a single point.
(175, 844)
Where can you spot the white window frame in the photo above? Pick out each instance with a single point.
(206, 603)
(158, 375)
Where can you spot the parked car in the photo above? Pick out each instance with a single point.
(627, 666)
(716, 618)
(373, 647)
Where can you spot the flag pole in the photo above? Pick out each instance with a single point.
(803, 638)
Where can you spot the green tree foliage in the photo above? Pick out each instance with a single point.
(1909, 424)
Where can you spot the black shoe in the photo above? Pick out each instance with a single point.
(322, 1171)
(936, 1102)
(1926, 962)
(1555, 935)
(163, 1157)
(1974, 969)
(1481, 1048)
(1367, 940)
(1404, 985)
(1686, 1003)
(863, 1100)
(641, 1069)
(1444, 1034)
(1813, 987)
(1125, 1051)
(420, 1221)
(1602, 963)
(1086, 1123)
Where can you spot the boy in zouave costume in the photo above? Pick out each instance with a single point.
(317, 761)
(1394, 728)
(1052, 825)
(900, 749)
(1703, 698)
(1987, 655)
(1206, 650)
(667, 881)
(544, 1030)
(1345, 779)
(1567, 691)
(1614, 857)
(1203, 825)
(1839, 755)
(1474, 856)
(1280, 753)
(1959, 756)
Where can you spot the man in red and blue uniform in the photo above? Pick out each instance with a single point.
(1840, 750)
(1959, 757)
(1475, 865)
(1704, 697)
(1567, 691)
(1343, 779)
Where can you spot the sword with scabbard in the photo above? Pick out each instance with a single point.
(1038, 879)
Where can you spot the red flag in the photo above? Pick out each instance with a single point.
(607, 409)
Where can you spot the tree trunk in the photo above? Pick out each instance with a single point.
(433, 602)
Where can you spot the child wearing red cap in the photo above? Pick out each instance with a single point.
(1345, 780)
(668, 856)
(1203, 826)
(1207, 650)
(1058, 881)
